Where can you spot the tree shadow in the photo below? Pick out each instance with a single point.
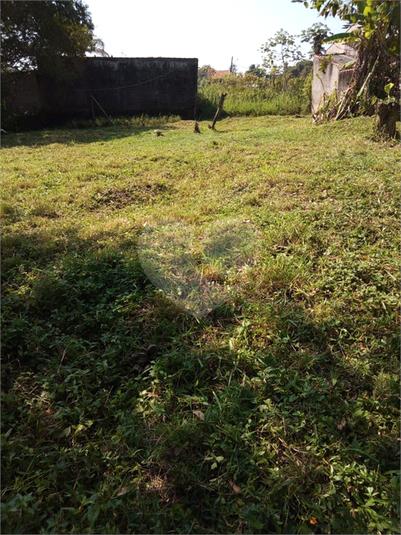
(213, 431)
(68, 136)
(309, 412)
(77, 288)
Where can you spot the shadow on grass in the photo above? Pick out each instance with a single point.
(67, 136)
(203, 435)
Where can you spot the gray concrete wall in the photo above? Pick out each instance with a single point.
(325, 83)
(122, 86)
(344, 80)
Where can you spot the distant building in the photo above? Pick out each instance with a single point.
(220, 74)
(209, 74)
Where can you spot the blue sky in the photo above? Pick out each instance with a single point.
(211, 30)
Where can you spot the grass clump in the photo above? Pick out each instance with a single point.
(136, 120)
(278, 410)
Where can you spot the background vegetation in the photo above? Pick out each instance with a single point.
(251, 96)
(277, 412)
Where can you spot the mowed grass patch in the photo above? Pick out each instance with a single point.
(278, 411)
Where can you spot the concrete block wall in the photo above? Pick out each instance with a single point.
(121, 86)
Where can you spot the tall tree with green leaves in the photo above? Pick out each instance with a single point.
(316, 35)
(40, 34)
(374, 30)
(256, 70)
(279, 52)
(205, 72)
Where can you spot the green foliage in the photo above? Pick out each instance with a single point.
(204, 73)
(256, 70)
(125, 122)
(250, 95)
(38, 34)
(45, 36)
(302, 69)
(278, 412)
(316, 35)
(280, 52)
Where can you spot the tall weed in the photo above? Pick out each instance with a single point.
(251, 96)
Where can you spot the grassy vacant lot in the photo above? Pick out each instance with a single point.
(278, 411)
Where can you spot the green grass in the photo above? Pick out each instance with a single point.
(252, 97)
(276, 412)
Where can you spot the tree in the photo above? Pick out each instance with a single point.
(302, 69)
(98, 48)
(256, 70)
(38, 35)
(316, 35)
(374, 30)
(205, 72)
(280, 52)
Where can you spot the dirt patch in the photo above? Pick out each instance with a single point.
(137, 194)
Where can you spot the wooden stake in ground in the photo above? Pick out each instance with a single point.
(219, 108)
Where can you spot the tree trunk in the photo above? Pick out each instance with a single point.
(387, 116)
